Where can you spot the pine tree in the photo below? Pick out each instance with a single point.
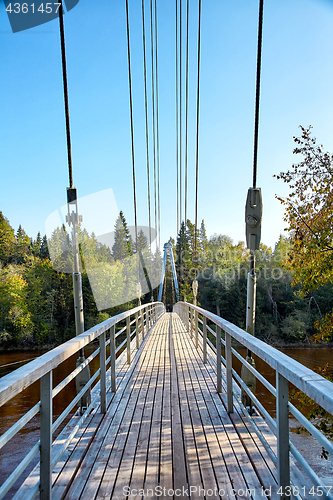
(203, 237)
(36, 245)
(122, 246)
(44, 251)
(142, 243)
(23, 245)
(7, 240)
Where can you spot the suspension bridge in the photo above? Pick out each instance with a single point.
(165, 413)
(166, 417)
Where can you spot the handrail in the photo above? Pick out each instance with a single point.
(41, 369)
(314, 385)
(287, 369)
(20, 379)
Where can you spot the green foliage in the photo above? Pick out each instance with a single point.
(283, 313)
(36, 297)
(7, 240)
(309, 215)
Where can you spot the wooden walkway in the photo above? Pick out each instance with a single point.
(166, 426)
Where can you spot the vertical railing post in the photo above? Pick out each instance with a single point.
(218, 359)
(128, 334)
(204, 338)
(140, 326)
(228, 357)
(196, 328)
(46, 436)
(188, 318)
(102, 360)
(137, 331)
(113, 358)
(191, 323)
(143, 322)
(283, 464)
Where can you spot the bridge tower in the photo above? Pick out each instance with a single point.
(168, 251)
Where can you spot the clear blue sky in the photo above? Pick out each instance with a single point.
(296, 89)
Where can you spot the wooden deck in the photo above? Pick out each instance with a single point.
(166, 426)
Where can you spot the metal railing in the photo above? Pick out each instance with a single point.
(319, 389)
(41, 369)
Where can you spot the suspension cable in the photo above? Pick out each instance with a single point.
(180, 111)
(177, 125)
(64, 76)
(153, 103)
(132, 129)
(186, 108)
(256, 125)
(157, 135)
(197, 143)
(186, 136)
(146, 112)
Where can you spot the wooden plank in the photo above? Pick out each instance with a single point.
(127, 460)
(114, 445)
(166, 479)
(72, 463)
(153, 457)
(217, 458)
(178, 449)
(189, 430)
(298, 477)
(254, 449)
(140, 460)
(67, 468)
(101, 446)
(235, 456)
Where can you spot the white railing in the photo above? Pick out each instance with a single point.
(41, 369)
(287, 370)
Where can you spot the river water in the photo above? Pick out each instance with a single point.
(14, 451)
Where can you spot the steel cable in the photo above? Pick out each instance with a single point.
(146, 115)
(177, 125)
(180, 111)
(197, 143)
(186, 109)
(157, 135)
(256, 121)
(64, 75)
(186, 134)
(153, 105)
(132, 131)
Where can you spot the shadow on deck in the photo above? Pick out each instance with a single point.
(166, 433)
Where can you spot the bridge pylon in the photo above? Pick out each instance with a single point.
(168, 250)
